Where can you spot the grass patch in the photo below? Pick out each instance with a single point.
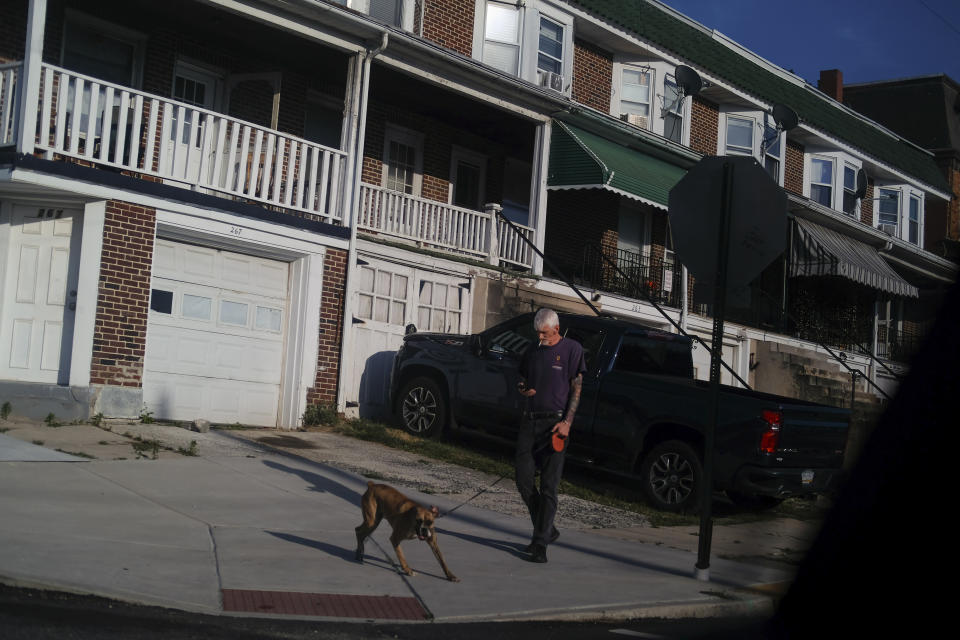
(146, 448)
(236, 426)
(5, 410)
(39, 443)
(51, 421)
(4, 429)
(188, 451)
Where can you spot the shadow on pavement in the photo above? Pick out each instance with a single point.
(321, 483)
(339, 552)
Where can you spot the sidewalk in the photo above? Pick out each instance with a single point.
(248, 531)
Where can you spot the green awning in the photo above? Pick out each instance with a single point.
(583, 160)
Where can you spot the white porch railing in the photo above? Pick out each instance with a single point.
(443, 226)
(9, 74)
(112, 125)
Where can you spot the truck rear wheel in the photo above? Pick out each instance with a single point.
(670, 474)
(422, 409)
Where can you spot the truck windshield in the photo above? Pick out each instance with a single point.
(640, 354)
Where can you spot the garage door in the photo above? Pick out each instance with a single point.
(215, 335)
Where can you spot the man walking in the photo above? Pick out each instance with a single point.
(551, 377)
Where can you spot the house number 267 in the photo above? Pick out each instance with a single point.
(235, 231)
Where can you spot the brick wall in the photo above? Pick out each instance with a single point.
(576, 218)
(324, 390)
(592, 75)
(866, 205)
(793, 168)
(123, 298)
(449, 23)
(13, 30)
(704, 126)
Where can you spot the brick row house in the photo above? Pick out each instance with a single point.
(234, 210)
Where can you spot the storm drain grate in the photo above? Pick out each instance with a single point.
(323, 604)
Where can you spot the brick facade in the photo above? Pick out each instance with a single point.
(123, 299)
(324, 391)
(576, 218)
(866, 205)
(592, 75)
(449, 23)
(704, 126)
(793, 168)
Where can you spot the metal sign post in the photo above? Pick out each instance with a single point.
(716, 356)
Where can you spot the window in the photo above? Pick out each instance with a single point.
(196, 307)
(672, 111)
(439, 307)
(513, 339)
(468, 172)
(550, 52)
(501, 37)
(821, 181)
(635, 96)
(161, 301)
(913, 223)
(268, 319)
(382, 296)
(654, 355)
(234, 313)
(323, 120)
(739, 136)
(388, 11)
(402, 160)
(849, 190)
(888, 208)
(532, 40)
(773, 151)
(103, 50)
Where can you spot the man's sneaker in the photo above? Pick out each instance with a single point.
(539, 554)
(553, 538)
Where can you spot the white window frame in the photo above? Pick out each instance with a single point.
(839, 160)
(879, 197)
(781, 138)
(617, 99)
(661, 72)
(135, 39)
(460, 154)
(529, 37)
(408, 137)
(918, 197)
(855, 214)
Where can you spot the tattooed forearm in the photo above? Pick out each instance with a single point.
(575, 386)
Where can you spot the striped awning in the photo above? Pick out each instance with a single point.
(819, 251)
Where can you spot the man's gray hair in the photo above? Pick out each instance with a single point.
(545, 318)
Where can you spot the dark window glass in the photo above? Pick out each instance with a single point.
(161, 301)
(662, 356)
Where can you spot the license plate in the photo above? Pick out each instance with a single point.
(806, 477)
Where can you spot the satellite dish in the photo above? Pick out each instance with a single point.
(688, 80)
(861, 184)
(785, 117)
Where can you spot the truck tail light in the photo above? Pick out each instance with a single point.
(769, 438)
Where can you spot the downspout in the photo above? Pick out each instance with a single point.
(360, 105)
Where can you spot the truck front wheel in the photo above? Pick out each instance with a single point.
(670, 475)
(422, 408)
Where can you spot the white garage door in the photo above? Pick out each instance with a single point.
(215, 335)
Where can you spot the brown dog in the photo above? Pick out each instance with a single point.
(408, 519)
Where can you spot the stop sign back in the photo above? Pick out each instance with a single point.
(758, 220)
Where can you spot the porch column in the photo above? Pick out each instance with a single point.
(493, 238)
(872, 371)
(538, 192)
(29, 82)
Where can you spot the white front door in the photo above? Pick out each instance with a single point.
(390, 296)
(215, 335)
(40, 295)
(201, 88)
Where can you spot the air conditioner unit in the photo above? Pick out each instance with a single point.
(550, 80)
(635, 119)
(889, 229)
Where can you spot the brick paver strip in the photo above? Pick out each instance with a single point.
(323, 604)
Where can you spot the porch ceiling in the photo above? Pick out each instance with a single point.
(583, 160)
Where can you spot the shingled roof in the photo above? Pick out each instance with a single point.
(698, 47)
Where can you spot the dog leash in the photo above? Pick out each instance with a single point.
(484, 490)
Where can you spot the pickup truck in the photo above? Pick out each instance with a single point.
(642, 414)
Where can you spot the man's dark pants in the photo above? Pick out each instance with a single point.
(534, 451)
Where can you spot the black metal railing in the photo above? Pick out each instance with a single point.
(636, 275)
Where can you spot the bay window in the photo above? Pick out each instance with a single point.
(849, 189)
(739, 138)
(913, 221)
(635, 96)
(888, 209)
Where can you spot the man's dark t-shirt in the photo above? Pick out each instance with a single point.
(549, 370)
